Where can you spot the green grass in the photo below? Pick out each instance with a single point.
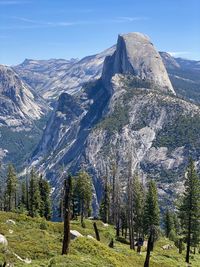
(43, 247)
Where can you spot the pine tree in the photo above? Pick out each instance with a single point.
(151, 208)
(190, 209)
(75, 200)
(105, 202)
(23, 197)
(11, 189)
(45, 190)
(130, 212)
(118, 206)
(124, 220)
(151, 218)
(1, 191)
(34, 195)
(135, 208)
(1, 197)
(2, 188)
(168, 222)
(113, 179)
(177, 226)
(138, 205)
(84, 192)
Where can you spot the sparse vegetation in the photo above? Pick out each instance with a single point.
(182, 131)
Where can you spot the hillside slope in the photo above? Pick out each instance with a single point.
(40, 243)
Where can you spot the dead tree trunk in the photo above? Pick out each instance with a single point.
(82, 213)
(149, 246)
(106, 201)
(113, 192)
(96, 231)
(67, 200)
(130, 215)
(111, 244)
(180, 246)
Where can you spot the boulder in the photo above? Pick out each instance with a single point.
(10, 222)
(74, 234)
(166, 247)
(3, 241)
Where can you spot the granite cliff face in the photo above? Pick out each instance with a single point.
(20, 111)
(136, 55)
(130, 116)
(18, 105)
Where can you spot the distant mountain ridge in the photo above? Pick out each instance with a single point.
(184, 75)
(52, 77)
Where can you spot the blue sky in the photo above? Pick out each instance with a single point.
(42, 29)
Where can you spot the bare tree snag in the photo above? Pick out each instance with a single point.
(67, 200)
(96, 231)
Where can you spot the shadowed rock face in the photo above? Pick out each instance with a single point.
(136, 55)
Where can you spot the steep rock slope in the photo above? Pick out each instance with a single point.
(131, 117)
(21, 113)
(67, 130)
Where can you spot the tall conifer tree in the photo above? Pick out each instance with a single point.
(34, 195)
(190, 209)
(45, 190)
(84, 192)
(151, 218)
(11, 189)
(168, 222)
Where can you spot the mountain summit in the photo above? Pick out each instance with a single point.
(136, 55)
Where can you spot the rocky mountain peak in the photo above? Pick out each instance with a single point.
(136, 55)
